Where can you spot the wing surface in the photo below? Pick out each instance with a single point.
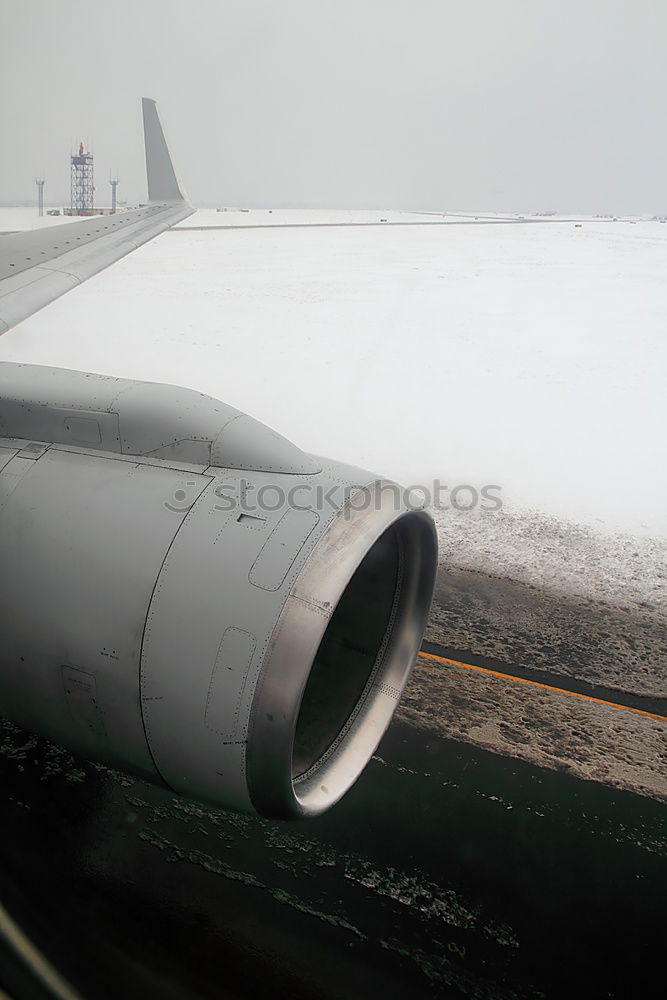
(38, 266)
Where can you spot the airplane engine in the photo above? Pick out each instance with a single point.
(188, 597)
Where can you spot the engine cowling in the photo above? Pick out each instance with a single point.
(188, 597)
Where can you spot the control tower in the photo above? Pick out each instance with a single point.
(82, 184)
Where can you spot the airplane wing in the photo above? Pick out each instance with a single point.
(38, 266)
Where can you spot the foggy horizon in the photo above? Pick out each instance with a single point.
(377, 104)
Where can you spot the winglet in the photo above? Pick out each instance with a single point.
(162, 183)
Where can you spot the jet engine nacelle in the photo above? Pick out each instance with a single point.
(186, 596)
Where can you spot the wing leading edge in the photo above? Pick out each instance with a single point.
(38, 266)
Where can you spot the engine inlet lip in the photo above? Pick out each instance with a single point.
(297, 636)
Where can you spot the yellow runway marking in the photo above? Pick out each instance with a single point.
(545, 687)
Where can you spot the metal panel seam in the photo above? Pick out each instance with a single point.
(143, 634)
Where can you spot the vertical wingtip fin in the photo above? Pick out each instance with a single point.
(162, 182)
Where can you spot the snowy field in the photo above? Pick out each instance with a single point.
(529, 357)
(17, 219)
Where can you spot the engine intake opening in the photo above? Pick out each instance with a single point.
(340, 656)
(348, 655)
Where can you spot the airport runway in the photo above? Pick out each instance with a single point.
(447, 871)
(476, 857)
(356, 225)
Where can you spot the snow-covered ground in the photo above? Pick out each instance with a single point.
(530, 357)
(17, 219)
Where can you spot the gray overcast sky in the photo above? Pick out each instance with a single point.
(531, 105)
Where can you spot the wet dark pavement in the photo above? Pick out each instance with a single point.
(446, 871)
(531, 629)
